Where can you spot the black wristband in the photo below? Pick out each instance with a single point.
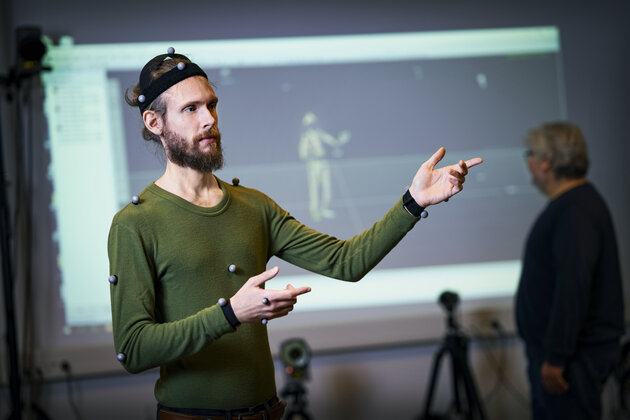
(412, 207)
(229, 313)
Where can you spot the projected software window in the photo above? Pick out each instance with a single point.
(332, 128)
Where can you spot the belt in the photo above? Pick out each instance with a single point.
(270, 410)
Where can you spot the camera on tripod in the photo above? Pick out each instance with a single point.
(449, 300)
(296, 356)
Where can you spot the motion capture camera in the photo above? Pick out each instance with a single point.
(296, 356)
(449, 300)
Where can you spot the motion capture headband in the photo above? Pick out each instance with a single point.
(151, 89)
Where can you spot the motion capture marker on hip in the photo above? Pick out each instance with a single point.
(135, 199)
(232, 268)
(236, 181)
(222, 302)
(121, 357)
(265, 301)
(170, 50)
(264, 321)
(113, 279)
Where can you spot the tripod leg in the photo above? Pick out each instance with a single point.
(434, 372)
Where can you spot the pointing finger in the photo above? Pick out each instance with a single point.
(473, 162)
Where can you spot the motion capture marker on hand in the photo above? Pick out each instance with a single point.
(121, 357)
(135, 199)
(170, 50)
(265, 301)
(141, 98)
(222, 302)
(113, 279)
(181, 66)
(264, 321)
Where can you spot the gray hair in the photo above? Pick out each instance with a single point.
(563, 144)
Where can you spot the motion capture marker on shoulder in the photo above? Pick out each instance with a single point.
(121, 357)
(222, 302)
(170, 51)
(232, 268)
(264, 321)
(236, 181)
(113, 279)
(181, 66)
(141, 99)
(135, 199)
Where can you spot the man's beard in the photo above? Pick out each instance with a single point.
(187, 155)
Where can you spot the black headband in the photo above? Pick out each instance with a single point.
(151, 89)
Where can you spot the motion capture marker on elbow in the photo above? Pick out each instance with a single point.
(222, 302)
(424, 214)
(113, 279)
(170, 50)
(141, 98)
(181, 65)
(232, 268)
(135, 199)
(236, 181)
(121, 357)
(264, 321)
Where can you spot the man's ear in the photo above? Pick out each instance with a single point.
(153, 122)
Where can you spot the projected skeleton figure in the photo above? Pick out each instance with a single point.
(312, 151)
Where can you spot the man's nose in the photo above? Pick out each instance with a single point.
(207, 117)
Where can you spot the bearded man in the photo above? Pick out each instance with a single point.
(188, 257)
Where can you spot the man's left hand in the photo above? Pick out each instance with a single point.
(552, 379)
(432, 186)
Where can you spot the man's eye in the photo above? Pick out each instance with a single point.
(189, 108)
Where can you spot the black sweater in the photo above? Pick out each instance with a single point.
(570, 292)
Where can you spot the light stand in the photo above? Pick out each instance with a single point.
(30, 50)
(466, 402)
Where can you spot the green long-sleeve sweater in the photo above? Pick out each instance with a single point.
(171, 260)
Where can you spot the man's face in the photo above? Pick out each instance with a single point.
(190, 135)
(539, 168)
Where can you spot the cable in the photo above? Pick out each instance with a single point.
(65, 367)
(499, 366)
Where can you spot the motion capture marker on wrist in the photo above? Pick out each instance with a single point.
(412, 207)
(150, 89)
(113, 279)
(228, 312)
(264, 321)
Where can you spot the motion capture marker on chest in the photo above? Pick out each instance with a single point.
(236, 181)
(135, 199)
(232, 268)
(113, 279)
(121, 357)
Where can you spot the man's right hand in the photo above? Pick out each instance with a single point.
(248, 303)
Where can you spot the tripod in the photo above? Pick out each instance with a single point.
(455, 345)
(296, 409)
